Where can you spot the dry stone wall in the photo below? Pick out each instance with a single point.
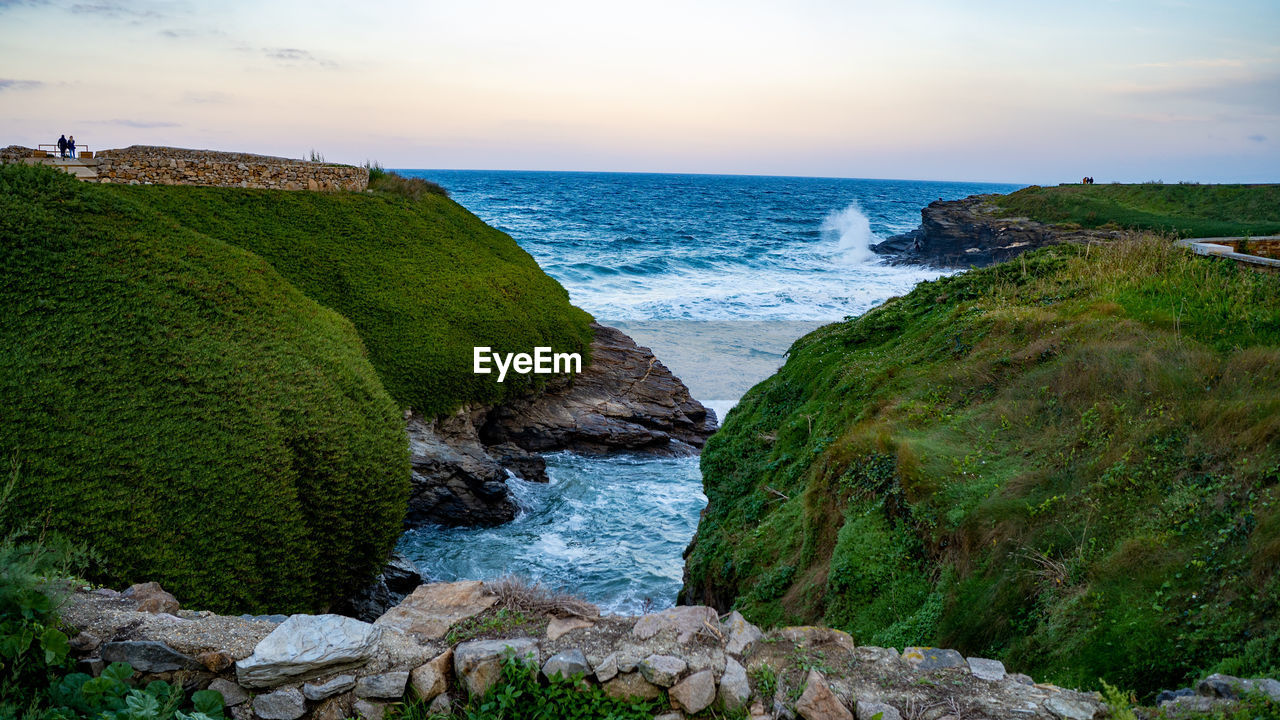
(143, 164)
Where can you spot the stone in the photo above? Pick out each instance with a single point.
(478, 664)
(334, 708)
(607, 668)
(91, 666)
(989, 670)
(398, 578)
(151, 598)
(669, 716)
(810, 636)
(339, 684)
(1234, 688)
(369, 710)
(1169, 695)
(432, 678)
(1266, 686)
(686, 621)
(442, 705)
(558, 627)
(818, 702)
(877, 711)
(148, 656)
(308, 646)
(283, 704)
(566, 663)
(925, 659)
(85, 643)
(1020, 679)
(215, 661)
(232, 694)
(735, 688)
(383, 685)
(631, 686)
(429, 611)
(696, 692)
(742, 635)
(662, 670)
(1070, 708)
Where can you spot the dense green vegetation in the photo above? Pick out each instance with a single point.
(1185, 210)
(1068, 461)
(421, 278)
(183, 408)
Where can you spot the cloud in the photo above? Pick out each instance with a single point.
(1258, 93)
(205, 98)
(9, 84)
(6, 4)
(1202, 62)
(1258, 138)
(187, 33)
(296, 57)
(134, 123)
(114, 10)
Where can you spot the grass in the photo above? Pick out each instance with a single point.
(178, 405)
(1068, 461)
(422, 279)
(1186, 210)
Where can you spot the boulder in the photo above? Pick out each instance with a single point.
(151, 598)
(925, 659)
(566, 663)
(432, 678)
(366, 710)
(989, 670)
(388, 685)
(686, 621)
(232, 694)
(696, 692)
(1069, 708)
(334, 708)
(282, 704)
(148, 656)
(85, 643)
(339, 684)
(818, 702)
(1234, 688)
(398, 578)
(631, 686)
(877, 711)
(607, 668)
(558, 627)
(735, 688)
(308, 646)
(812, 636)
(478, 664)
(453, 479)
(741, 634)
(662, 670)
(430, 610)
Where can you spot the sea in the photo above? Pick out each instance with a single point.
(719, 275)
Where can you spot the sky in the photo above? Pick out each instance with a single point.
(974, 90)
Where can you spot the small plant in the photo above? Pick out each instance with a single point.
(376, 171)
(534, 597)
(1243, 248)
(766, 680)
(502, 620)
(111, 695)
(520, 696)
(316, 157)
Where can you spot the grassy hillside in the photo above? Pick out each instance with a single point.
(1184, 210)
(1069, 461)
(421, 278)
(177, 404)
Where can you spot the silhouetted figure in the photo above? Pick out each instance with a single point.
(71, 146)
(62, 147)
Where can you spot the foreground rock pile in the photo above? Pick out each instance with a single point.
(331, 666)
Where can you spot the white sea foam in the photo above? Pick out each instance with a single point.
(850, 228)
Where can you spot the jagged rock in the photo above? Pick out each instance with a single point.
(282, 704)
(333, 686)
(607, 668)
(735, 688)
(148, 656)
(818, 702)
(430, 610)
(366, 710)
(307, 646)
(478, 664)
(687, 621)
(1070, 708)
(631, 686)
(1234, 688)
(696, 692)
(566, 663)
(626, 399)
(961, 233)
(925, 659)
(742, 634)
(558, 627)
(432, 678)
(382, 685)
(662, 670)
(454, 480)
(877, 711)
(232, 694)
(152, 598)
(989, 670)
(398, 578)
(528, 466)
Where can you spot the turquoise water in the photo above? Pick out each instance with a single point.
(719, 275)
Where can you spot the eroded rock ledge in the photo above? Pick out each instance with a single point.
(626, 400)
(969, 232)
(329, 667)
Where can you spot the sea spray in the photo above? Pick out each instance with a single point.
(850, 228)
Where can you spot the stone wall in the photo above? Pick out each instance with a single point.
(143, 164)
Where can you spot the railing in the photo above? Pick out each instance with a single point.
(46, 151)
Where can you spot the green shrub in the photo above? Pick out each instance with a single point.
(520, 696)
(184, 408)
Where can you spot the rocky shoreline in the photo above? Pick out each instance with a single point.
(971, 232)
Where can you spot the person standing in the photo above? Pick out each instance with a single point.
(62, 147)
(71, 146)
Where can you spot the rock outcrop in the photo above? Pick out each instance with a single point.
(970, 232)
(625, 400)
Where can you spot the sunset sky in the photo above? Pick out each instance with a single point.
(995, 90)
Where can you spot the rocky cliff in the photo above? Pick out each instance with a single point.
(971, 232)
(625, 400)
